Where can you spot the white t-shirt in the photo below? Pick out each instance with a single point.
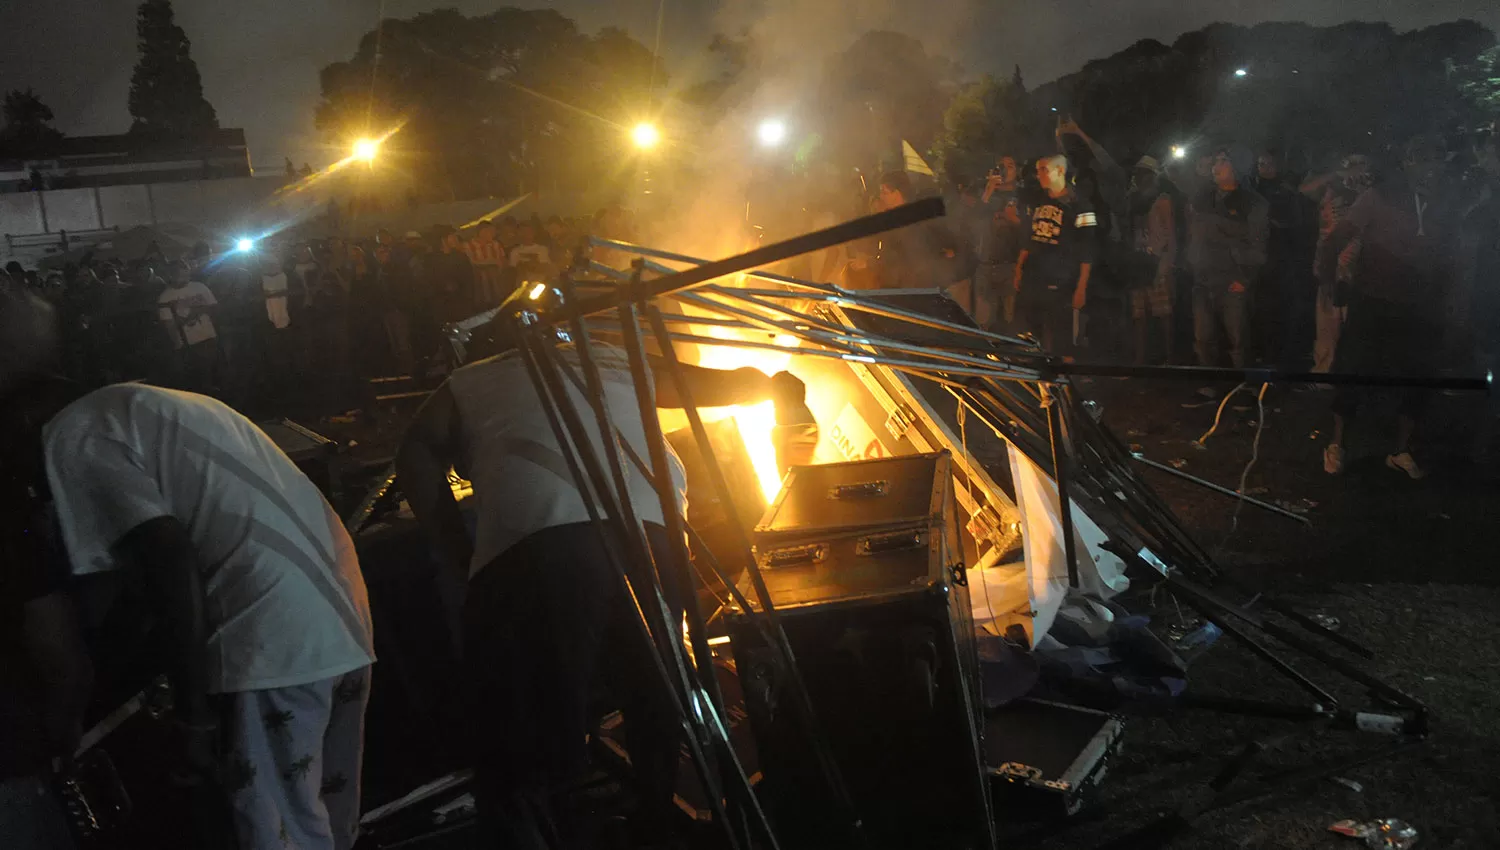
(532, 253)
(284, 597)
(176, 304)
(521, 479)
(274, 286)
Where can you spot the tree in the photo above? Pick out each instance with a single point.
(166, 92)
(27, 132)
(495, 104)
(983, 121)
(1479, 83)
(884, 89)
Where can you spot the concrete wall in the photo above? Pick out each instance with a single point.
(210, 204)
(125, 206)
(21, 213)
(70, 209)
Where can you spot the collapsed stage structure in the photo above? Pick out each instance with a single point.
(1051, 512)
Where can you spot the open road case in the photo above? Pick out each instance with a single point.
(862, 562)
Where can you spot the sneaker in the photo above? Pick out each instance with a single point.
(1404, 462)
(1333, 459)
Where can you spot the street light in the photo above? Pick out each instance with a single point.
(1241, 72)
(645, 136)
(1179, 152)
(771, 132)
(366, 149)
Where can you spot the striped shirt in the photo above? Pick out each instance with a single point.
(485, 253)
(284, 598)
(521, 479)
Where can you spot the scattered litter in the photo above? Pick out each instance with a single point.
(1293, 507)
(1275, 410)
(1178, 462)
(1309, 504)
(1350, 784)
(353, 443)
(1136, 448)
(1135, 432)
(1189, 405)
(343, 420)
(1242, 408)
(1385, 834)
(1202, 447)
(1327, 621)
(1200, 638)
(1177, 631)
(1257, 491)
(1314, 435)
(1429, 678)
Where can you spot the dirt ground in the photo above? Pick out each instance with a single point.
(1407, 567)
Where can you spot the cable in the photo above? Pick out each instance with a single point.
(1260, 425)
(1203, 440)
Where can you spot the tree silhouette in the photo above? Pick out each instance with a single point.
(27, 132)
(495, 104)
(166, 92)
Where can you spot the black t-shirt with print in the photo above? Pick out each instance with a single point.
(1062, 237)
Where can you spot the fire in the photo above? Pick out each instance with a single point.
(754, 421)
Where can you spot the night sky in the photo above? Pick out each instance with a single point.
(260, 58)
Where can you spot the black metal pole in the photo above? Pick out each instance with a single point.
(1272, 376)
(870, 225)
(676, 559)
(537, 357)
(801, 700)
(1058, 439)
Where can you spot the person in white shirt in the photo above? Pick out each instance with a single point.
(185, 308)
(528, 249)
(544, 611)
(247, 569)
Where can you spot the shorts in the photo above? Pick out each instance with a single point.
(1149, 296)
(1154, 299)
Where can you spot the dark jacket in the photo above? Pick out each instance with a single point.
(1227, 236)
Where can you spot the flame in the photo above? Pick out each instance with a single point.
(754, 421)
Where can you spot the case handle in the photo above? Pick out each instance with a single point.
(861, 490)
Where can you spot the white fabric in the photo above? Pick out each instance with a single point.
(274, 286)
(521, 479)
(174, 306)
(285, 600)
(1100, 574)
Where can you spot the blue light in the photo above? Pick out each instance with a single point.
(244, 246)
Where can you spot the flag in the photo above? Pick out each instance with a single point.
(914, 162)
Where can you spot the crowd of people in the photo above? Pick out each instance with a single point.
(248, 325)
(1386, 264)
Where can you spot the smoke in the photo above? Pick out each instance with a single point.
(718, 202)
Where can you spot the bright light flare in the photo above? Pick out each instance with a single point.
(1241, 72)
(1179, 152)
(244, 246)
(645, 136)
(537, 291)
(366, 149)
(771, 132)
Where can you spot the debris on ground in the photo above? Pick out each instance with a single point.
(1135, 432)
(1350, 784)
(1384, 834)
(1301, 506)
(1182, 628)
(1327, 621)
(1136, 448)
(1178, 462)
